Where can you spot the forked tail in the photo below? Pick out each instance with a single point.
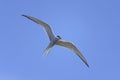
(47, 50)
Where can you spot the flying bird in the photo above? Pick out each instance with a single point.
(56, 40)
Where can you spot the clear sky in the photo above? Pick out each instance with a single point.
(92, 25)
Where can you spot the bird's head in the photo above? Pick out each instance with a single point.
(58, 37)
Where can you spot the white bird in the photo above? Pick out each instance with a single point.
(57, 40)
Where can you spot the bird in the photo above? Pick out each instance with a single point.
(57, 40)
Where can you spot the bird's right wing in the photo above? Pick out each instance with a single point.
(44, 25)
(73, 48)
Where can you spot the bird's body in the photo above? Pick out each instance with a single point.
(56, 40)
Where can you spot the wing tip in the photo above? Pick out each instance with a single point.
(87, 65)
(24, 15)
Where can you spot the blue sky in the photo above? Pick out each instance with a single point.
(92, 25)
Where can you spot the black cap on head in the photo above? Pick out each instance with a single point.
(59, 37)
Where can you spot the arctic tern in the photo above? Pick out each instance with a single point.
(56, 40)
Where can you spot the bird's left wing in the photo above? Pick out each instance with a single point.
(44, 25)
(73, 48)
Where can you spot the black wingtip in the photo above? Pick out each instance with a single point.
(26, 16)
(23, 15)
(85, 62)
(87, 65)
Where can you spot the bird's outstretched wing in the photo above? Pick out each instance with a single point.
(73, 48)
(44, 25)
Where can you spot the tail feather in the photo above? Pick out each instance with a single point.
(47, 50)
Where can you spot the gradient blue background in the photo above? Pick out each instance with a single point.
(92, 25)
